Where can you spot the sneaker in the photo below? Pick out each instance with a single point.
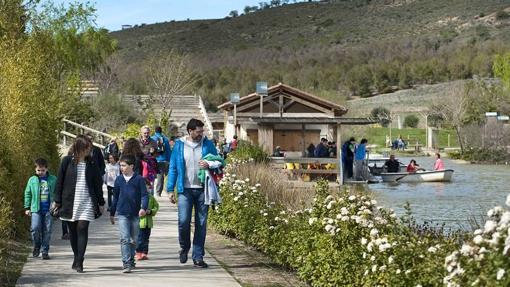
(36, 252)
(200, 264)
(183, 256)
(144, 256)
(133, 265)
(126, 269)
(65, 236)
(45, 256)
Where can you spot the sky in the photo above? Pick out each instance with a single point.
(112, 14)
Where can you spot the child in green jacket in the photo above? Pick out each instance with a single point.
(39, 194)
(146, 224)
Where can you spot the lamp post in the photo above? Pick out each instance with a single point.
(262, 91)
(235, 99)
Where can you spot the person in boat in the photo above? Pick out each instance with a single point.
(413, 167)
(438, 165)
(392, 165)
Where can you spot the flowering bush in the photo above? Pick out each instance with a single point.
(484, 260)
(342, 239)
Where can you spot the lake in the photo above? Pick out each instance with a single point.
(473, 191)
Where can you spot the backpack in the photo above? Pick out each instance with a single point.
(149, 168)
(160, 146)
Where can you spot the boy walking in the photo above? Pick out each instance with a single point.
(130, 201)
(39, 193)
(146, 224)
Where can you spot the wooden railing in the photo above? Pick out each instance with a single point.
(101, 137)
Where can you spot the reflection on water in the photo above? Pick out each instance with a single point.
(473, 190)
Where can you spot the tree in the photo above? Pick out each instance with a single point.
(382, 115)
(233, 13)
(501, 68)
(411, 121)
(169, 74)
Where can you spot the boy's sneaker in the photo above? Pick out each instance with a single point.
(36, 252)
(144, 256)
(45, 256)
(133, 265)
(126, 269)
(183, 256)
(200, 264)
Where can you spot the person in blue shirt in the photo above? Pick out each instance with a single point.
(322, 149)
(359, 159)
(39, 193)
(162, 154)
(185, 164)
(130, 201)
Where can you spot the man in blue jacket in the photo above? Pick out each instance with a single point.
(163, 153)
(185, 162)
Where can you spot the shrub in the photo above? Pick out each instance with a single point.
(245, 151)
(411, 121)
(343, 239)
(500, 15)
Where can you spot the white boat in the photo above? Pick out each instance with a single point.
(419, 176)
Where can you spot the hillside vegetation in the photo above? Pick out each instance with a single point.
(336, 50)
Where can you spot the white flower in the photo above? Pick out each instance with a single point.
(390, 259)
(366, 272)
(478, 240)
(419, 285)
(374, 232)
(372, 258)
(312, 220)
(501, 273)
(432, 249)
(345, 218)
(373, 202)
(364, 255)
(329, 227)
(369, 246)
(466, 250)
(374, 268)
(344, 211)
(265, 214)
(240, 193)
(277, 218)
(384, 246)
(398, 271)
(352, 198)
(382, 268)
(331, 221)
(257, 185)
(477, 232)
(247, 179)
(490, 226)
(236, 198)
(364, 241)
(408, 271)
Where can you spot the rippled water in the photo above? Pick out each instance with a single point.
(474, 190)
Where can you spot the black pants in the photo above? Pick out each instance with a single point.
(110, 195)
(79, 235)
(64, 227)
(142, 244)
(348, 167)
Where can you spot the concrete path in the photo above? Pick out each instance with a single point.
(103, 264)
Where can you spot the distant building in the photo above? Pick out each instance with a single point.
(127, 27)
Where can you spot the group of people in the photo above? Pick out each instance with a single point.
(132, 177)
(323, 149)
(353, 158)
(393, 165)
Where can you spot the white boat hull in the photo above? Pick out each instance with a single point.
(420, 176)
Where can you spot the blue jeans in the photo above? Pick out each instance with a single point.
(143, 240)
(41, 231)
(129, 228)
(189, 199)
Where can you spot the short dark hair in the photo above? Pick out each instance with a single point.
(41, 162)
(172, 138)
(128, 159)
(324, 139)
(364, 141)
(235, 137)
(352, 139)
(438, 155)
(115, 157)
(193, 124)
(158, 129)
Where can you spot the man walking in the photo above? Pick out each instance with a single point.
(163, 152)
(149, 146)
(185, 163)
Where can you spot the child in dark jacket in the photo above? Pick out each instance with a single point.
(39, 193)
(130, 201)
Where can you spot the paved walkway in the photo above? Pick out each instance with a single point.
(103, 265)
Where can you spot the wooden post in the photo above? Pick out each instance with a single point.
(280, 104)
(303, 146)
(261, 105)
(339, 154)
(235, 120)
(266, 138)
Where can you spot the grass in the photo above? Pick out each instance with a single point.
(411, 135)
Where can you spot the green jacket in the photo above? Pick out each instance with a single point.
(33, 192)
(146, 221)
(209, 157)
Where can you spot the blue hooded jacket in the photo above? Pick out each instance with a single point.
(177, 169)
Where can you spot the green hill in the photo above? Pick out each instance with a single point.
(335, 49)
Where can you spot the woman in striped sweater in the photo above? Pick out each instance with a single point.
(79, 195)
